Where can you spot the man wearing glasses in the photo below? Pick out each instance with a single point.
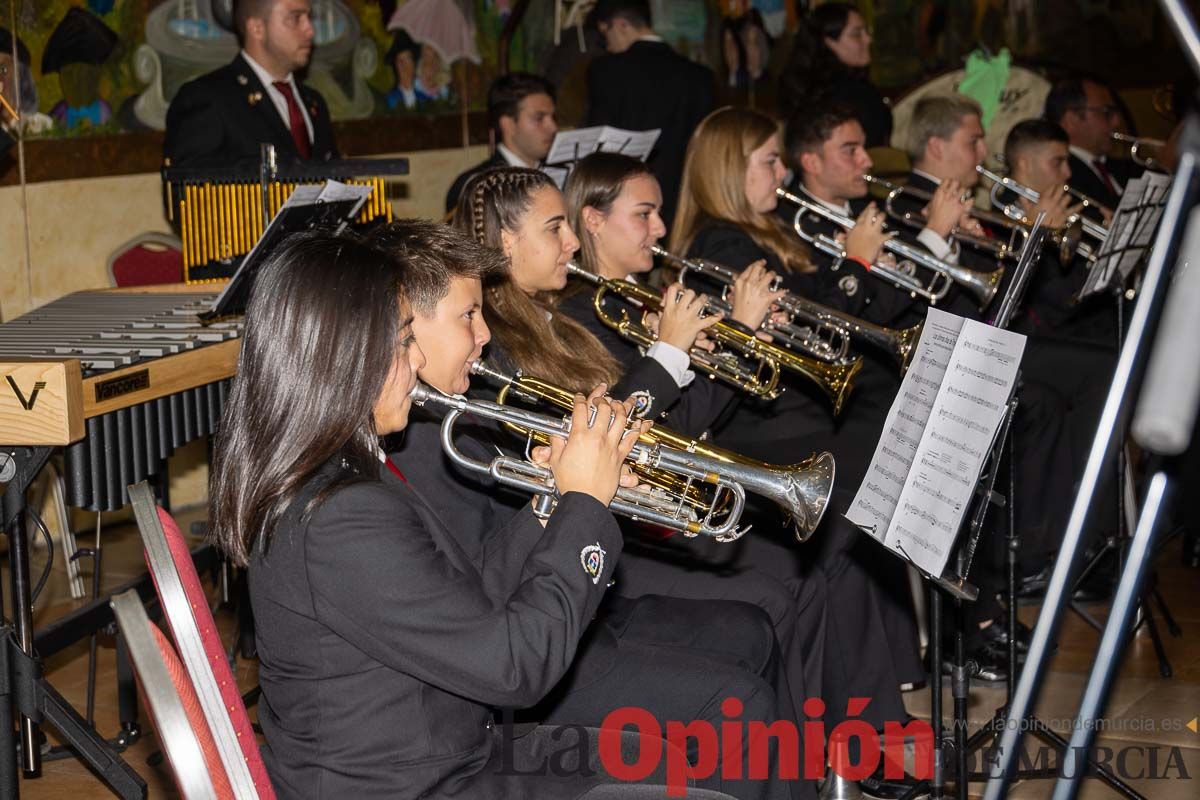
(1086, 111)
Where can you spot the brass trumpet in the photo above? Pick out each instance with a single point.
(826, 332)
(801, 490)
(638, 504)
(818, 338)
(1135, 144)
(982, 285)
(997, 248)
(1068, 239)
(741, 358)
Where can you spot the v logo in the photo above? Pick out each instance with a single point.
(26, 404)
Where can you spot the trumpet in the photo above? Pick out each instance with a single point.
(802, 490)
(982, 285)
(997, 248)
(1136, 143)
(638, 504)
(816, 337)
(1068, 238)
(826, 332)
(741, 359)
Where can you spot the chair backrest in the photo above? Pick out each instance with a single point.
(195, 633)
(180, 723)
(146, 259)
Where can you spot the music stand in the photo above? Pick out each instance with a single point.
(331, 206)
(1110, 431)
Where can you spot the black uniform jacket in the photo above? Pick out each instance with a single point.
(867, 296)
(957, 300)
(382, 647)
(1084, 179)
(221, 118)
(651, 86)
(456, 188)
(692, 409)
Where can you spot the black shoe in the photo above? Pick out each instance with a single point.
(877, 787)
(996, 634)
(990, 664)
(1033, 587)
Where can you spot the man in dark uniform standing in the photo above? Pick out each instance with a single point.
(221, 118)
(642, 84)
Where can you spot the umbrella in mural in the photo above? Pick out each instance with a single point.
(439, 24)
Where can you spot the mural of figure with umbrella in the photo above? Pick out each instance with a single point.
(76, 50)
(444, 35)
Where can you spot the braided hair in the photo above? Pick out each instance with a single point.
(533, 334)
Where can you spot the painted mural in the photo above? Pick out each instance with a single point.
(106, 66)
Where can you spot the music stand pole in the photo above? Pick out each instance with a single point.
(1109, 433)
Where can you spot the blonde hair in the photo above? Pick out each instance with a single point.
(714, 181)
(937, 116)
(538, 339)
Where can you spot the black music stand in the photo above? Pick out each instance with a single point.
(23, 687)
(293, 218)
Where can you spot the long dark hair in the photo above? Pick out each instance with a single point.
(535, 336)
(812, 67)
(321, 334)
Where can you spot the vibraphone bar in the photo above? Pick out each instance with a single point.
(221, 221)
(219, 211)
(150, 379)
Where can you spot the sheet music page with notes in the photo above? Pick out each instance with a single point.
(936, 437)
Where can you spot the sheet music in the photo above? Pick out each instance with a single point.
(558, 175)
(938, 433)
(570, 146)
(875, 503)
(1130, 232)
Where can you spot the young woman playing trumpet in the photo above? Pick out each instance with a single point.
(383, 647)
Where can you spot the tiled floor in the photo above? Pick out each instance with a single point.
(1147, 715)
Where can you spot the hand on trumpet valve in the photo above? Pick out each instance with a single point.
(683, 317)
(865, 240)
(1056, 204)
(950, 203)
(752, 296)
(590, 460)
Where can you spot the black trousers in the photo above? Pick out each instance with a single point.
(679, 661)
(550, 763)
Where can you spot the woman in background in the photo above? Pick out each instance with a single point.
(830, 60)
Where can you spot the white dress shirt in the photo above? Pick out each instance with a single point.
(1090, 160)
(277, 99)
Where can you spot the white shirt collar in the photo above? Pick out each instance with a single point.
(931, 178)
(512, 158)
(1084, 155)
(650, 37)
(265, 77)
(844, 208)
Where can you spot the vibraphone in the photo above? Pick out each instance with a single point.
(120, 379)
(220, 212)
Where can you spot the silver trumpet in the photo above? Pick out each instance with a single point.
(817, 337)
(801, 490)
(1067, 238)
(823, 331)
(981, 285)
(1135, 145)
(998, 248)
(652, 506)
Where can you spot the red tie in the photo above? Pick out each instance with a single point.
(295, 119)
(395, 470)
(1104, 175)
